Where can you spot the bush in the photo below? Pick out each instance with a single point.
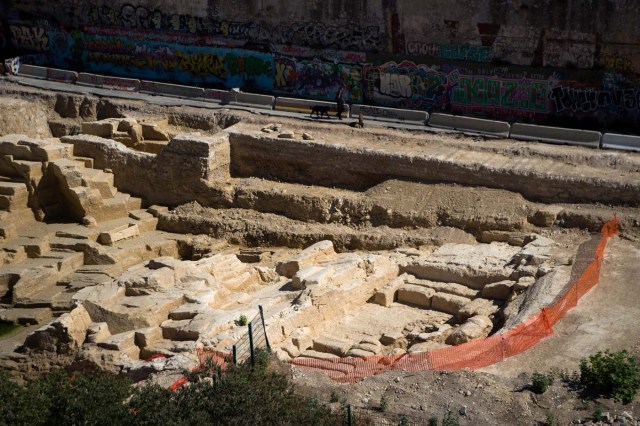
(611, 374)
(450, 419)
(243, 320)
(238, 395)
(598, 415)
(384, 404)
(541, 382)
(433, 421)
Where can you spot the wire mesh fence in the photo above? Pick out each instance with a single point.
(256, 338)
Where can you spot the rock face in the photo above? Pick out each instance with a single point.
(63, 335)
(473, 266)
(313, 254)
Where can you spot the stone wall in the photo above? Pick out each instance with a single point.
(568, 63)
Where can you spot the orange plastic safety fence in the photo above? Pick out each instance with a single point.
(217, 357)
(478, 353)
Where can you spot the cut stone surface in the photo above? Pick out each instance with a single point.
(63, 335)
(97, 332)
(479, 306)
(415, 295)
(316, 253)
(448, 303)
(331, 345)
(500, 290)
(473, 266)
(388, 294)
(111, 237)
(477, 327)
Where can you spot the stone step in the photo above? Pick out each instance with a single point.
(26, 316)
(85, 161)
(13, 188)
(31, 170)
(103, 182)
(33, 247)
(79, 280)
(42, 297)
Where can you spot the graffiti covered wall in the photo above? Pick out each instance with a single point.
(566, 63)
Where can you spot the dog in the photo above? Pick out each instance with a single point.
(319, 111)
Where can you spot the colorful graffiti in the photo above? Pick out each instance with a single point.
(145, 58)
(28, 37)
(450, 51)
(312, 34)
(317, 79)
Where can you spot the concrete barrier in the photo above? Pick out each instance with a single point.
(624, 142)
(215, 95)
(390, 114)
(106, 82)
(469, 124)
(559, 135)
(252, 99)
(48, 73)
(305, 105)
(171, 89)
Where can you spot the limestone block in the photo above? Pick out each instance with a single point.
(415, 295)
(358, 353)
(147, 337)
(200, 326)
(25, 316)
(267, 275)
(425, 346)
(316, 253)
(118, 234)
(477, 327)
(63, 335)
(301, 338)
(119, 342)
(500, 290)
(545, 215)
(448, 303)
(368, 347)
(103, 129)
(33, 280)
(291, 349)
(97, 332)
(105, 294)
(451, 288)
(391, 338)
(524, 283)
(189, 311)
(331, 345)
(312, 276)
(152, 131)
(479, 306)
(387, 294)
(309, 353)
(156, 210)
(471, 265)
(440, 335)
(145, 281)
(131, 313)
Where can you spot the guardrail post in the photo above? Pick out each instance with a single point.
(264, 328)
(253, 359)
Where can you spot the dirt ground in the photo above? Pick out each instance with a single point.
(606, 318)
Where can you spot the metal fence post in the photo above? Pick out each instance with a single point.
(264, 328)
(349, 415)
(253, 359)
(235, 355)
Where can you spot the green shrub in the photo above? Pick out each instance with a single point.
(433, 421)
(541, 382)
(611, 374)
(384, 404)
(450, 419)
(243, 320)
(551, 420)
(238, 395)
(598, 415)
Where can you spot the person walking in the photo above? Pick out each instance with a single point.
(340, 102)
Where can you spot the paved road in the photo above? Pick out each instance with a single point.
(173, 102)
